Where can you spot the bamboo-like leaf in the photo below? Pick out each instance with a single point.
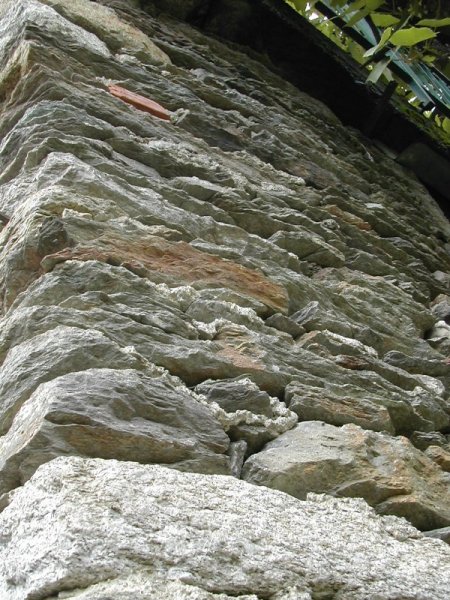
(411, 36)
(378, 70)
(383, 41)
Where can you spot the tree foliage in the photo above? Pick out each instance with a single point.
(403, 24)
(409, 30)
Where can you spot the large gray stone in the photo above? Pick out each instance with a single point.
(440, 534)
(17, 16)
(423, 439)
(100, 529)
(309, 246)
(116, 33)
(51, 354)
(128, 415)
(237, 394)
(389, 473)
(337, 405)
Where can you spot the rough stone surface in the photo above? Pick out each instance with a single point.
(117, 34)
(440, 456)
(389, 473)
(440, 534)
(196, 292)
(124, 414)
(96, 528)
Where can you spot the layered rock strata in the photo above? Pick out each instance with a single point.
(248, 290)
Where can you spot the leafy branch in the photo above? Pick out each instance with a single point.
(393, 31)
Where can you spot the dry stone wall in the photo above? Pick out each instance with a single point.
(247, 291)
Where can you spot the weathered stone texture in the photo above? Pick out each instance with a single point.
(388, 472)
(248, 288)
(185, 535)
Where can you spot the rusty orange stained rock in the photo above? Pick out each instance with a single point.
(139, 102)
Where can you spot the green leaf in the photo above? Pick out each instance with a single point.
(411, 36)
(356, 51)
(383, 41)
(383, 20)
(365, 5)
(378, 70)
(435, 22)
(338, 2)
(361, 14)
(446, 124)
(298, 5)
(374, 4)
(355, 6)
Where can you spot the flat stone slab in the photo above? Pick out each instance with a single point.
(140, 102)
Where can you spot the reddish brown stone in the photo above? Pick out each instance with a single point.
(180, 260)
(240, 348)
(343, 215)
(351, 362)
(140, 102)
